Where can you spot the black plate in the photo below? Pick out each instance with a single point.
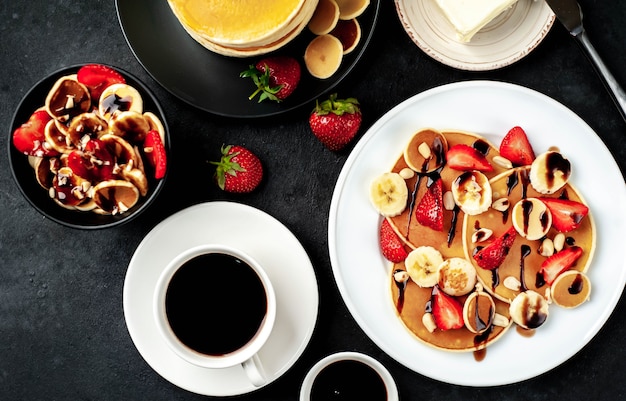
(211, 81)
(38, 197)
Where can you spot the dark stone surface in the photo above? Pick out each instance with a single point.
(62, 329)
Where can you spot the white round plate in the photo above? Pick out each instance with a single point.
(508, 38)
(490, 109)
(262, 237)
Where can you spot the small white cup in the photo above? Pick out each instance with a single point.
(247, 355)
(385, 376)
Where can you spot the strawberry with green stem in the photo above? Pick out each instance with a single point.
(275, 77)
(335, 122)
(239, 170)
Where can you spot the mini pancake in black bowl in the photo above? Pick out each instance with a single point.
(102, 158)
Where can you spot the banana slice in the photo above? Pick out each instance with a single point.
(531, 218)
(423, 265)
(457, 276)
(155, 124)
(472, 192)
(118, 98)
(529, 309)
(389, 194)
(549, 172)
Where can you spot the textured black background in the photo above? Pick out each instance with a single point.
(62, 329)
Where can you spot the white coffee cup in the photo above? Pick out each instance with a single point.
(245, 354)
(378, 368)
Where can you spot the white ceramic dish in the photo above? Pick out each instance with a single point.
(490, 109)
(256, 233)
(508, 38)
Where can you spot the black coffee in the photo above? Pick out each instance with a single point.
(347, 381)
(215, 303)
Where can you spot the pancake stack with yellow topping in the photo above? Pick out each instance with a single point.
(243, 28)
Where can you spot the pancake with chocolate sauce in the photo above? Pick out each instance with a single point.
(524, 259)
(448, 241)
(411, 300)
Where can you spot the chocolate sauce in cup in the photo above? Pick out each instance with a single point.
(215, 307)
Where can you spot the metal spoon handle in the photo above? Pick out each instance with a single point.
(619, 96)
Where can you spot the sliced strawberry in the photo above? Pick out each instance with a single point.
(97, 77)
(80, 165)
(155, 152)
(391, 245)
(464, 158)
(94, 163)
(516, 147)
(559, 262)
(429, 211)
(29, 138)
(100, 158)
(492, 256)
(566, 214)
(447, 311)
(40, 116)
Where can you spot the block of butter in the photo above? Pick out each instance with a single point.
(470, 16)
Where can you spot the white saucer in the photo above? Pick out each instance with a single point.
(265, 239)
(508, 38)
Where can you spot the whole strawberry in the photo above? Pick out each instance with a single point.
(335, 122)
(239, 170)
(275, 77)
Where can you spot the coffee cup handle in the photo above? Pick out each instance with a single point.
(254, 370)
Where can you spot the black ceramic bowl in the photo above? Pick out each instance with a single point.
(38, 197)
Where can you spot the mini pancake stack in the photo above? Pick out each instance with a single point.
(243, 28)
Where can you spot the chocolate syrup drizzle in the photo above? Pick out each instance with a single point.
(440, 161)
(401, 290)
(577, 285)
